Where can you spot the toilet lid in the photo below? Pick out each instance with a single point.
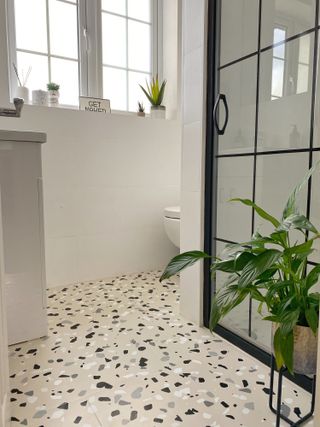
(172, 212)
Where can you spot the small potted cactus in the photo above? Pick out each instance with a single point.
(141, 109)
(53, 91)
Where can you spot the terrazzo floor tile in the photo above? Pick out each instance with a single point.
(119, 352)
(62, 413)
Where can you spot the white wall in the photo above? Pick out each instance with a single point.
(172, 55)
(106, 182)
(4, 368)
(193, 118)
(4, 88)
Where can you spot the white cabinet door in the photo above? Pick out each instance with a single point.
(20, 180)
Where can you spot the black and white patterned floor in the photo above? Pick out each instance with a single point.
(118, 353)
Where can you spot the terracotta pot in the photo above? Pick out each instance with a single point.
(305, 349)
(141, 114)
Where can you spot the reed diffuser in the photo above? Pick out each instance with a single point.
(22, 90)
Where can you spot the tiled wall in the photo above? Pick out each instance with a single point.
(194, 48)
(106, 182)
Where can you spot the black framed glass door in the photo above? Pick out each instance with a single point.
(262, 131)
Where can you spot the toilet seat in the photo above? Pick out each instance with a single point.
(172, 212)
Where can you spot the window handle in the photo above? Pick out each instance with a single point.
(223, 98)
(86, 37)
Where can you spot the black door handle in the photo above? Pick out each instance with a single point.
(221, 97)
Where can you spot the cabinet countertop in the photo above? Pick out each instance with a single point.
(19, 136)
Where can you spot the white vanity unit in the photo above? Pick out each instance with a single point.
(23, 234)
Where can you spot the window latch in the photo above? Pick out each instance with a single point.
(85, 35)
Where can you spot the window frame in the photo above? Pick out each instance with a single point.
(90, 62)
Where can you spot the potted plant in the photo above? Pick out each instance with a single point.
(22, 91)
(53, 91)
(155, 93)
(272, 270)
(141, 110)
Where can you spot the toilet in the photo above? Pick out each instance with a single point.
(171, 220)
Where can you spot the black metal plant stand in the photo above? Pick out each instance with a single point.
(277, 411)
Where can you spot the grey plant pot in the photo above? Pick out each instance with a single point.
(305, 350)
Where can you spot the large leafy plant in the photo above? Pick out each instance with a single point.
(269, 269)
(155, 91)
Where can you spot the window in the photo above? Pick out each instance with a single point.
(64, 42)
(303, 64)
(278, 64)
(46, 40)
(127, 63)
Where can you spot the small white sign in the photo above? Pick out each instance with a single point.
(96, 105)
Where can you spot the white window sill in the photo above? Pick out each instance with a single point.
(76, 108)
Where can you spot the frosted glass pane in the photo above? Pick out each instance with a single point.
(285, 99)
(235, 179)
(63, 29)
(304, 49)
(278, 35)
(113, 40)
(315, 209)
(31, 25)
(115, 87)
(279, 51)
(39, 75)
(277, 78)
(293, 16)
(277, 175)
(139, 46)
(303, 78)
(140, 9)
(238, 319)
(115, 6)
(65, 73)
(261, 329)
(238, 83)
(239, 29)
(135, 91)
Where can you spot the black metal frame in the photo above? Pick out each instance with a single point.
(212, 156)
(277, 410)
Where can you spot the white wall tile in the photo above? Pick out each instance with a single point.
(193, 86)
(62, 261)
(193, 28)
(107, 180)
(191, 220)
(191, 297)
(192, 195)
(192, 153)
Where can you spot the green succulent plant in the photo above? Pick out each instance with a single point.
(53, 86)
(271, 270)
(141, 107)
(154, 91)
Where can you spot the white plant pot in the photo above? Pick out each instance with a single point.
(158, 112)
(39, 97)
(23, 92)
(53, 97)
